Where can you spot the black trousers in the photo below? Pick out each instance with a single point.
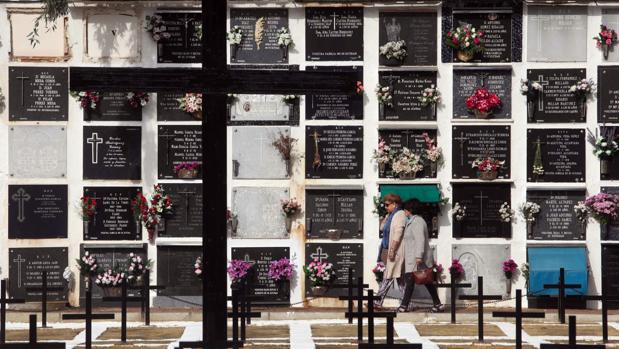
(410, 287)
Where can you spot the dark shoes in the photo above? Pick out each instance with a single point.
(438, 308)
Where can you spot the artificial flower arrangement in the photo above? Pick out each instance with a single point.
(235, 37)
(88, 265)
(531, 89)
(284, 41)
(198, 267)
(509, 268)
(160, 207)
(379, 207)
(406, 164)
(191, 103)
(506, 213)
(238, 270)
(290, 207)
(602, 207)
(382, 155)
(487, 168)
(524, 270)
(430, 96)
(281, 270)
(321, 275)
(110, 280)
(456, 269)
(198, 31)
(433, 154)
(137, 99)
(581, 91)
(290, 99)
(458, 211)
(582, 212)
(605, 39)
(137, 267)
(87, 208)
(139, 205)
(538, 164)
(437, 270)
(88, 100)
(285, 146)
(383, 94)
(395, 50)
(604, 147)
(359, 87)
(529, 211)
(155, 25)
(379, 271)
(466, 40)
(187, 170)
(483, 103)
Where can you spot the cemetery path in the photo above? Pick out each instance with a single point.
(410, 333)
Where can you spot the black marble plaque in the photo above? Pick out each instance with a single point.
(563, 154)
(37, 211)
(556, 220)
(334, 214)
(113, 218)
(112, 152)
(417, 29)
(407, 87)
(264, 288)
(178, 144)
(187, 218)
(610, 271)
(184, 45)
(555, 102)
(412, 139)
(259, 26)
(175, 270)
(608, 93)
(334, 152)
(473, 142)
(38, 94)
(113, 106)
(334, 34)
(482, 202)
(497, 29)
(112, 257)
(26, 267)
(610, 231)
(331, 106)
(167, 108)
(342, 256)
(467, 80)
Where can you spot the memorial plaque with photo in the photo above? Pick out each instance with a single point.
(168, 108)
(334, 152)
(334, 214)
(112, 152)
(259, 26)
(37, 151)
(112, 257)
(475, 142)
(557, 33)
(610, 231)
(265, 289)
(417, 29)
(184, 45)
(497, 29)
(556, 219)
(468, 79)
(332, 106)
(113, 106)
(259, 212)
(610, 271)
(483, 202)
(258, 109)
(26, 267)
(414, 140)
(113, 218)
(342, 256)
(38, 211)
(555, 103)
(560, 152)
(407, 87)
(175, 270)
(334, 34)
(608, 94)
(178, 145)
(187, 218)
(38, 94)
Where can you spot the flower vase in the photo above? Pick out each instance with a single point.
(138, 227)
(465, 56)
(284, 49)
(288, 224)
(530, 229)
(583, 108)
(508, 287)
(291, 109)
(88, 114)
(392, 62)
(407, 175)
(233, 51)
(487, 175)
(151, 233)
(433, 168)
(605, 49)
(288, 164)
(531, 110)
(381, 170)
(86, 224)
(283, 287)
(236, 284)
(482, 115)
(197, 115)
(112, 291)
(604, 166)
(319, 291)
(87, 282)
(433, 107)
(381, 111)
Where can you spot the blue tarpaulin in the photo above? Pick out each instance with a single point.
(544, 265)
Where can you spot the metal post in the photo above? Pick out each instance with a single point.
(123, 312)
(480, 307)
(561, 303)
(44, 300)
(371, 317)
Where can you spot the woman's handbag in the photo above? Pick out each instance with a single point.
(423, 277)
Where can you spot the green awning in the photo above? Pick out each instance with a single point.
(428, 193)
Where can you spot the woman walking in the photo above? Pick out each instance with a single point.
(417, 254)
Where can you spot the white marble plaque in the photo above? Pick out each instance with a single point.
(557, 34)
(37, 151)
(259, 212)
(51, 42)
(482, 260)
(253, 154)
(260, 108)
(112, 36)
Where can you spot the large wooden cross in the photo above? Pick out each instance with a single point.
(480, 298)
(453, 287)
(572, 340)
(88, 316)
(561, 286)
(518, 315)
(215, 80)
(3, 303)
(32, 340)
(44, 289)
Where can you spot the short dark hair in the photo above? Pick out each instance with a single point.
(413, 206)
(395, 198)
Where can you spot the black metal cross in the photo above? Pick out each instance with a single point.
(145, 295)
(3, 304)
(32, 340)
(572, 340)
(215, 80)
(604, 298)
(562, 286)
(480, 298)
(453, 287)
(44, 289)
(518, 315)
(88, 316)
(123, 299)
(350, 286)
